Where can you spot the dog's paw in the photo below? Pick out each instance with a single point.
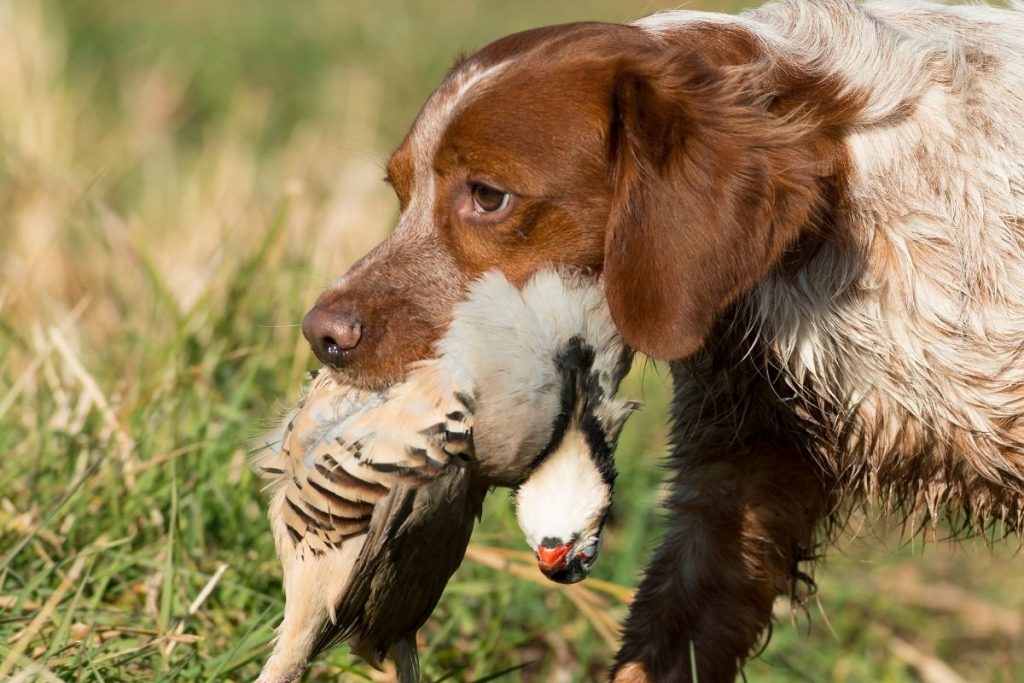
(632, 672)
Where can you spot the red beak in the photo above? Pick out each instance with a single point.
(551, 560)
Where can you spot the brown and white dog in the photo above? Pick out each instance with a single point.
(815, 210)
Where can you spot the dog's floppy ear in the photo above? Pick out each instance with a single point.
(708, 189)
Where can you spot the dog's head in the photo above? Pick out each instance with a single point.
(664, 167)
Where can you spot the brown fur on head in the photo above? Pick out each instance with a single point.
(660, 168)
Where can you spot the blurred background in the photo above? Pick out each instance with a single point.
(177, 183)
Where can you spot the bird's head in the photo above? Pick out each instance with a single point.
(562, 504)
(562, 507)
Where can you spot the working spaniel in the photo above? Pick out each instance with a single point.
(814, 210)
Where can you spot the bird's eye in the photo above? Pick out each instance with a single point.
(589, 552)
(487, 199)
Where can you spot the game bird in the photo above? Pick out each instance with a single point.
(374, 494)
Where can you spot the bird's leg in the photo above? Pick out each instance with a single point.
(311, 589)
(305, 614)
(740, 522)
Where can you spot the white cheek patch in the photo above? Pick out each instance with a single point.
(565, 496)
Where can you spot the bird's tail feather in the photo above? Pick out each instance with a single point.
(407, 662)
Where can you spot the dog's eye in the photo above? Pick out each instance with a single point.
(487, 199)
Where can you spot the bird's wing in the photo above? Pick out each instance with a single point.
(422, 423)
(344, 449)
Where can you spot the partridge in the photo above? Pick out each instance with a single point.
(374, 495)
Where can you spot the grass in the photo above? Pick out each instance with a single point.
(176, 185)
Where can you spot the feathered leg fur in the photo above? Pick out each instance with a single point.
(745, 509)
(741, 521)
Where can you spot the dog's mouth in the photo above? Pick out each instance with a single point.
(362, 381)
(370, 340)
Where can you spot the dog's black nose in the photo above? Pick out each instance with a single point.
(332, 334)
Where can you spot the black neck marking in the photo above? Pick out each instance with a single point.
(581, 393)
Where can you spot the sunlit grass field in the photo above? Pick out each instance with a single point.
(177, 183)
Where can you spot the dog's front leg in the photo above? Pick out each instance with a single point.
(740, 521)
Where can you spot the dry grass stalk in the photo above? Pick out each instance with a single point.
(26, 636)
(591, 605)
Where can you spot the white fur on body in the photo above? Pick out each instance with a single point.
(498, 375)
(905, 332)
